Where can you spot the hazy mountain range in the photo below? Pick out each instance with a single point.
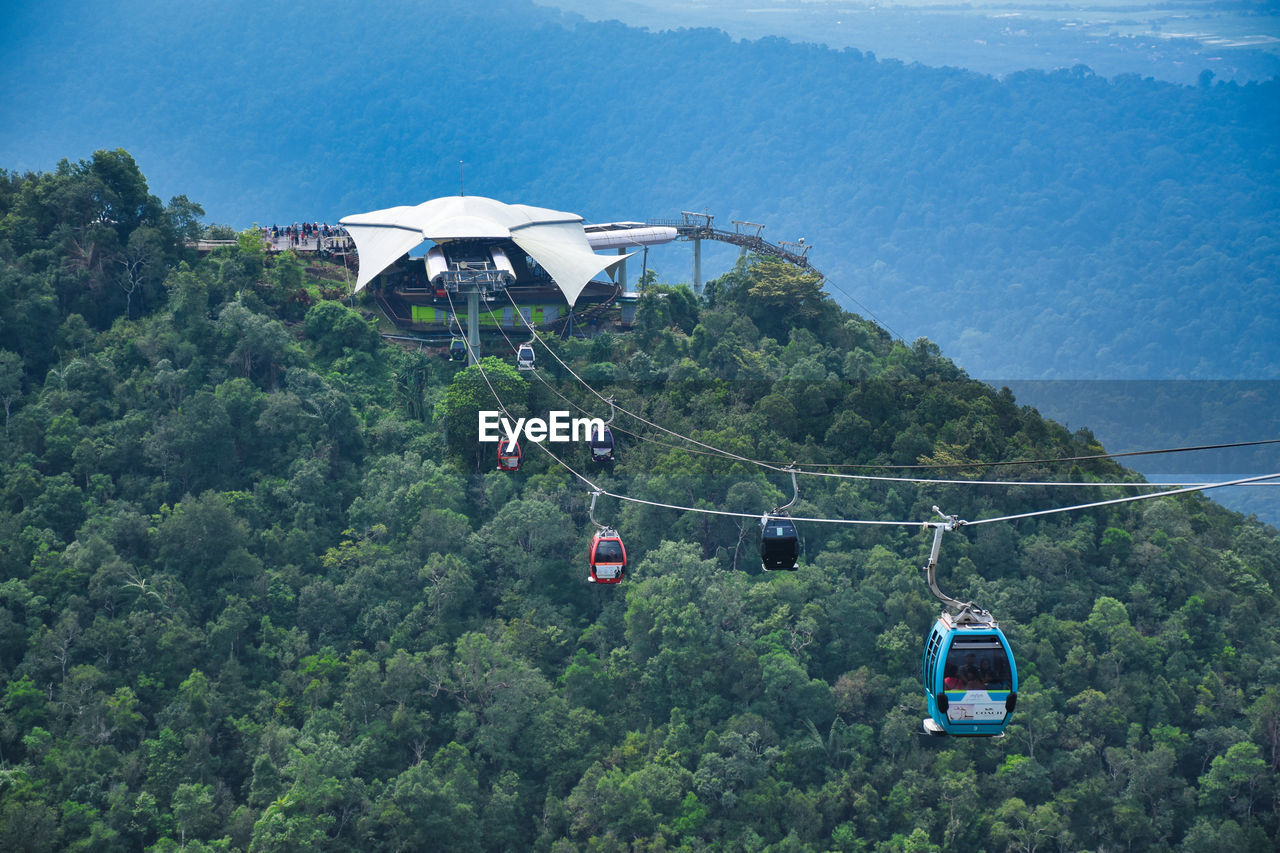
(1166, 40)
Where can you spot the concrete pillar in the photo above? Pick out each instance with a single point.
(697, 265)
(622, 270)
(473, 322)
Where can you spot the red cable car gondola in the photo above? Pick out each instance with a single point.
(509, 455)
(607, 556)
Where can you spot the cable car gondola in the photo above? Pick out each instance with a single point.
(509, 455)
(601, 444)
(968, 670)
(457, 350)
(606, 555)
(779, 544)
(779, 539)
(524, 357)
(970, 677)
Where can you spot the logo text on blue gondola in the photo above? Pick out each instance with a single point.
(558, 426)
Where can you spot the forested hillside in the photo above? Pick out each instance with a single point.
(260, 590)
(1042, 225)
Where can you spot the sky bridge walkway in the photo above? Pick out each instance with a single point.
(691, 226)
(746, 235)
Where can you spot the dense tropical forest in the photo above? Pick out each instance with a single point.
(260, 589)
(1046, 224)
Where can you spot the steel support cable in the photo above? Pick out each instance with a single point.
(1051, 483)
(556, 391)
(498, 325)
(782, 467)
(1036, 513)
(716, 450)
(914, 480)
(628, 498)
(806, 519)
(621, 429)
(855, 301)
(503, 407)
(1131, 498)
(1165, 450)
(779, 466)
(541, 445)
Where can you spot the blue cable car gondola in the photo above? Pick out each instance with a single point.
(970, 677)
(968, 670)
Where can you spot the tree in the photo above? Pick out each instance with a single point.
(1025, 829)
(259, 345)
(777, 296)
(184, 217)
(431, 806)
(10, 382)
(473, 390)
(124, 199)
(141, 265)
(1235, 779)
(193, 811)
(335, 328)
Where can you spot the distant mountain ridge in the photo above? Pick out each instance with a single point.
(1044, 226)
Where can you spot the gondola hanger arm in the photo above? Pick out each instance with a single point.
(950, 522)
(795, 492)
(591, 510)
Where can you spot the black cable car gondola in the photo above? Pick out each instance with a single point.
(606, 555)
(457, 350)
(779, 544)
(779, 539)
(600, 442)
(509, 455)
(969, 673)
(602, 446)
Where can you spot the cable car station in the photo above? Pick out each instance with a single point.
(499, 259)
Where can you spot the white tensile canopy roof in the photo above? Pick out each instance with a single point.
(553, 238)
